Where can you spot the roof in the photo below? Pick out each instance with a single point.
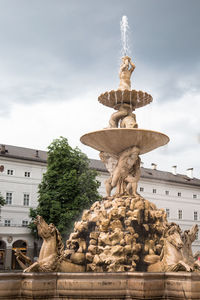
(23, 153)
(41, 156)
(153, 174)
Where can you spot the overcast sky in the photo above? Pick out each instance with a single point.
(58, 56)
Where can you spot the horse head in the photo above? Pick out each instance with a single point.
(193, 232)
(45, 231)
(173, 236)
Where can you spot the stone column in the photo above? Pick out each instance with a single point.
(30, 252)
(8, 259)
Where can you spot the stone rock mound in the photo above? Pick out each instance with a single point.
(115, 235)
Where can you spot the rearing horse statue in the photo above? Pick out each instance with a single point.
(171, 258)
(51, 257)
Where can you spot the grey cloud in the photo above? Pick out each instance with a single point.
(53, 49)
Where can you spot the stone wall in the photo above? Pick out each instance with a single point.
(107, 286)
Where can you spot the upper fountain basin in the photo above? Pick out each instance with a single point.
(116, 140)
(133, 98)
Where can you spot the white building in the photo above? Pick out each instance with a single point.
(21, 171)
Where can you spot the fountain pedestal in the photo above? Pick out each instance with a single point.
(104, 286)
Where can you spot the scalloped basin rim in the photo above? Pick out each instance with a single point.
(116, 140)
(118, 97)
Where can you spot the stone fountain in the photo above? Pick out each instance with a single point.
(123, 247)
(128, 229)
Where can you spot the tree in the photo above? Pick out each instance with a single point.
(2, 200)
(67, 187)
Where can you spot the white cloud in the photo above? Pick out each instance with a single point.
(38, 124)
(55, 59)
(180, 121)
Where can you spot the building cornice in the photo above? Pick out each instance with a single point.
(40, 157)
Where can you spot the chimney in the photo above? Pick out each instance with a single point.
(154, 166)
(189, 173)
(141, 164)
(174, 170)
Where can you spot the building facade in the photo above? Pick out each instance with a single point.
(21, 171)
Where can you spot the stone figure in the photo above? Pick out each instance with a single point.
(52, 256)
(126, 69)
(188, 238)
(129, 121)
(125, 116)
(116, 116)
(110, 162)
(116, 234)
(173, 257)
(125, 172)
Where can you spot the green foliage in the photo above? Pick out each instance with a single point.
(2, 200)
(68, 186)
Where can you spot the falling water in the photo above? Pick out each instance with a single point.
(124, 35)
(115, 98)
(108, 97)
(138, 98)
(143, 98)
(131, 107)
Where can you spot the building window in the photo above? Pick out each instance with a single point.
(8, 198)
(26, 199)
(166, 192)
(10, 172)
(195, 215)
(180, 214)
(194, 196)
(141, 189)
(179, 194)
(24, 223)
(154, 191)
(168, 212)
(27, 174)
(7, 223)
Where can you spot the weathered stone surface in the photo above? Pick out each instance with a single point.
(131, 234)
(116, 140)
(115, 286)
(134, 99)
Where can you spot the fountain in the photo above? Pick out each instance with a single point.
(123, 247)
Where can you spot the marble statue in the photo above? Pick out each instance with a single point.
(125, 116)
(125, 172)
(116, 234)
(176, 253)
(126, 69)
(52, 256)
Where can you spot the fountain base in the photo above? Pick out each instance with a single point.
(82, 286)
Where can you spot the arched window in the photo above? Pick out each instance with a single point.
(2, 254)
(22, 246)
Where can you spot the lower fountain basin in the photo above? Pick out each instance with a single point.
(116, 140)
(85, 286)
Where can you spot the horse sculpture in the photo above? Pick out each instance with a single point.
(52, 255)
(176, 254)
(172, 257)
